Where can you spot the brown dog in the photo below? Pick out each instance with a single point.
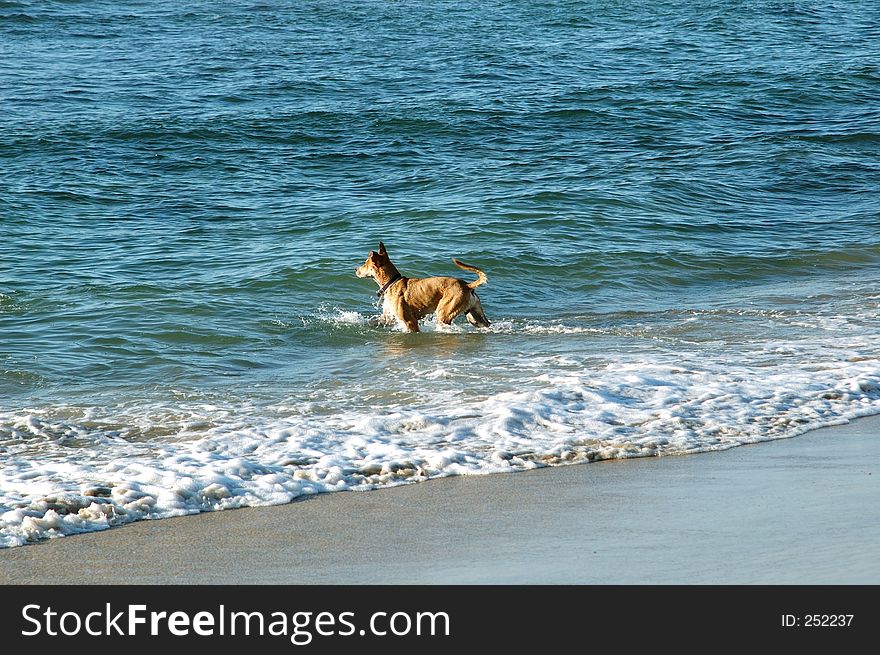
(410, 299)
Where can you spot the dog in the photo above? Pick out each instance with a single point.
(408, 300)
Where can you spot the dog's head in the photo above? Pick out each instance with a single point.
(375, 262)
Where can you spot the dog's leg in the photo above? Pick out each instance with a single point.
(403, 314)
(475, 315)
(478, 320)
(448, 309)
(387, 317)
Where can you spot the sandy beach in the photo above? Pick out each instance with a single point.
(801, 510)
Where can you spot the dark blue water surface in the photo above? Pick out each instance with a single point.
(179, 182)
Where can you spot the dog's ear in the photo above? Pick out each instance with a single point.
(382, 250)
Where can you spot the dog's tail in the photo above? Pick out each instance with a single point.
(481, 280)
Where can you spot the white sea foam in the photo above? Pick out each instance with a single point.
(73, 469)
(626, 410)
(337, 316)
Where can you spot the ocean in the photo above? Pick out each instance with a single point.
(677, 206)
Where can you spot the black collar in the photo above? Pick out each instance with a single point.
(388, 284)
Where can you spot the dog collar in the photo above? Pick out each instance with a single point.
(388, 284)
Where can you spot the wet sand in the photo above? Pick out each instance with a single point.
(802, 510)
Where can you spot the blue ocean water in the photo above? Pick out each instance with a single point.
(677, 206)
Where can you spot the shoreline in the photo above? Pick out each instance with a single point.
(802, 510)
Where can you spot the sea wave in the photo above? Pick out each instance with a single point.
(74, 469)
